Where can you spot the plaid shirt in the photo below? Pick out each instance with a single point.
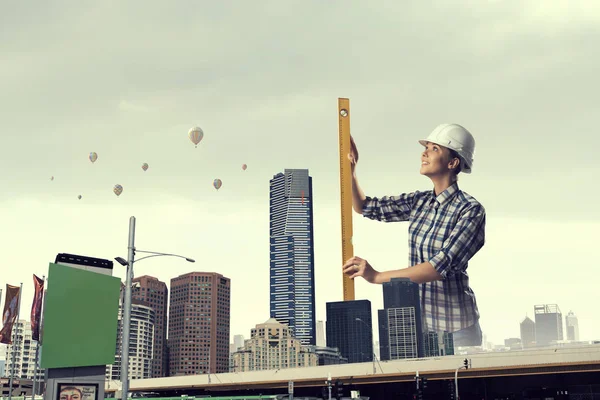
(447, 231)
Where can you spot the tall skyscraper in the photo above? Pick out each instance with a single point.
(151, 292)
(548, 324)
(400, 322)
(572, 326)
(199, 313)
(527, 332)
(349, 327)
(141, 343)
(292, 294)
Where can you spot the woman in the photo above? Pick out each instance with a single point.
(446, 229)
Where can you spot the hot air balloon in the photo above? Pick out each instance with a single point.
(79, 197)
(196, 134)
(144, 166)
(118, 189)
(93, 156)
(244, 166)
(217, 184)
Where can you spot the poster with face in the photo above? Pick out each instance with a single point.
(77, 391)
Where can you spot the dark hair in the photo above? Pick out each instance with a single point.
(454, 154)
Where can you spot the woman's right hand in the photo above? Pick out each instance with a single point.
(357, 266)
(353, 155)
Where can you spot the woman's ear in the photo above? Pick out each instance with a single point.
(453, 164)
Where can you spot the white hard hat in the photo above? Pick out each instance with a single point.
(457, 138)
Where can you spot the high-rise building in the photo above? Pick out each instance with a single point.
(321, 334)
(527, 333)
(151, 292)
(328, 356)
(272, 346)
(572, 326)
(436, 345)
(292, 277)
(400, 321)
(513, 343)
(238, 341)
(25, 348)
(349, 328)
(141, 344)
(199, 313)
(548, 324)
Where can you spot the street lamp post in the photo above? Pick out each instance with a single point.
(126, 320)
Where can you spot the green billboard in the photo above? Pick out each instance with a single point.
(80, 318)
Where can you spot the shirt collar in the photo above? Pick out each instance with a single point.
(446, 195)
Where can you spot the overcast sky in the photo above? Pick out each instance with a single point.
(262, 79)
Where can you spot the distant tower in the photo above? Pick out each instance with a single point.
(321, 334)
(238, 341)
(572, 326)
(548, 324)
(528, 332)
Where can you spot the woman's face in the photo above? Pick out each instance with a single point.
(70, 395)
(435, 160)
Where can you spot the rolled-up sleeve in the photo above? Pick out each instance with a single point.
(467, 237)
(389, 208)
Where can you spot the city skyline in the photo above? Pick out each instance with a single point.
(129, 83)
(570, 318)
(562, 320)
